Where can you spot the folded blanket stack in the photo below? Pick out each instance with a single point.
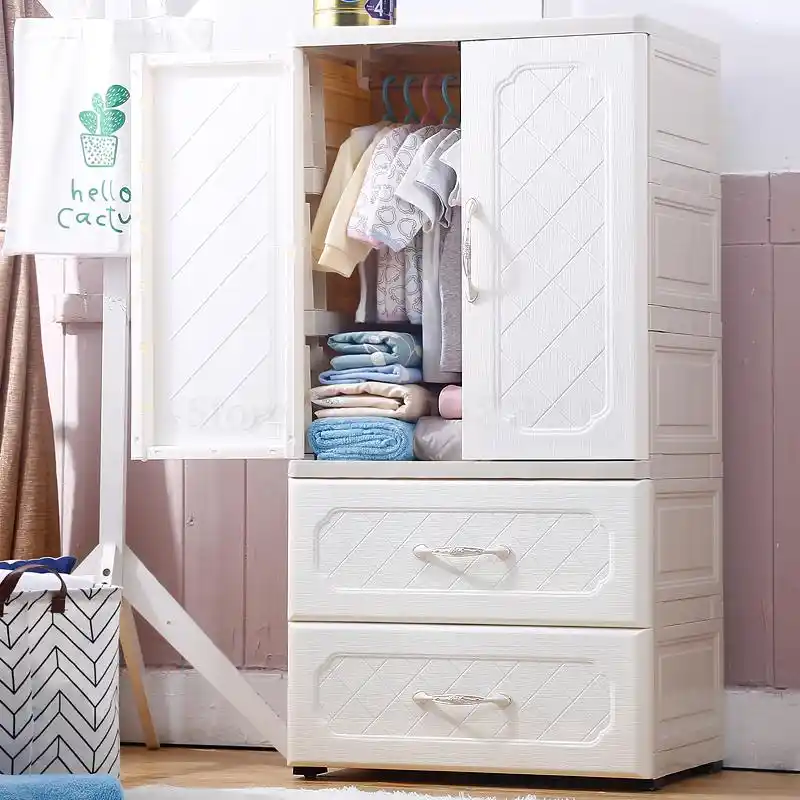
(59, 787)
(372, 384)
(372, 399)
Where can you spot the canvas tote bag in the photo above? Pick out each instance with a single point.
(59, 679)
(69, 187)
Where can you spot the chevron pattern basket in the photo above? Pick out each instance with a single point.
(59, 680)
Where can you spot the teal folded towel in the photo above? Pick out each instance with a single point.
(374, 349)
(59, 787)
(362, 439)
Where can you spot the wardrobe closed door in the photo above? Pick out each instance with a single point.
(217, 294)
(555, 225)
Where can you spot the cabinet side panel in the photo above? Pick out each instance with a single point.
(684, 105)
(689, 696)
(685, 250)
(688, 539)
(686, 393)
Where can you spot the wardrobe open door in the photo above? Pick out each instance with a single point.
(555, 259)
(216, 284)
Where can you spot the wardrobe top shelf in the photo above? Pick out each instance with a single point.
(452, 34)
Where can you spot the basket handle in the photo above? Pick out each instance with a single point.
(10, 581)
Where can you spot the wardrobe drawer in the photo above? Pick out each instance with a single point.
(497, 552)
(519, 700)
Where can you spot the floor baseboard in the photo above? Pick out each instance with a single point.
(762, 726)
(187, 711)
(762, 729)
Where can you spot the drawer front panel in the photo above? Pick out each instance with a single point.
(499, 699)
(510, 552)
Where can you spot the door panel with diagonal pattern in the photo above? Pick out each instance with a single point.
(217, 291)
(555, 344)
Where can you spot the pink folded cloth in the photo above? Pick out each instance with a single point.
(450, 402)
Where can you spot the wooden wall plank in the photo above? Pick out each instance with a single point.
(747, 301)
(155, 532)
(745, 210)
(266, 574)
(214, 551)
(785, 208)
(787, 466)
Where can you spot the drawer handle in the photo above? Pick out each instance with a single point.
(470, 210)
(501, 700)
(501, 551)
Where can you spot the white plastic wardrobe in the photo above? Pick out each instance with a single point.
(553, 603)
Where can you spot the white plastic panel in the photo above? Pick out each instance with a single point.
(557, 700)
(684, 108)
(217, 275)
(690, 696)
(685, 250)
(556, 553)
(555, 345)
(686, 393)
(687, 555)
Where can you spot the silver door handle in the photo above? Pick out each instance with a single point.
(470, 210)
(501, 700)
(501, 551)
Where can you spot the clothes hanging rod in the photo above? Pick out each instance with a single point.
(418, 79)
(399, 86)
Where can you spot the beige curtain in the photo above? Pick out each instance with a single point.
(29, 519)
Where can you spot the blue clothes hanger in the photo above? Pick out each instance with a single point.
(411, 116)
(389, 115)
(451, 114)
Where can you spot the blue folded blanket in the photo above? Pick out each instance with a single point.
(64, 564)
(59, 787)
(374, 349)
(392, 374)
(362, 439)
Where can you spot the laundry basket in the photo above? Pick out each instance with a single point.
(59, 676)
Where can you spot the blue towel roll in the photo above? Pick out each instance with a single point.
(362, 439)
(59, 787)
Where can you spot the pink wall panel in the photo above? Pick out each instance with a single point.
(215, 503)
(787, 464)
(266, 577)
(745, 209)
(747, 294)
(785, 208)
(155, 534)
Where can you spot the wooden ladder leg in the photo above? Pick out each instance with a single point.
(132, 650)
